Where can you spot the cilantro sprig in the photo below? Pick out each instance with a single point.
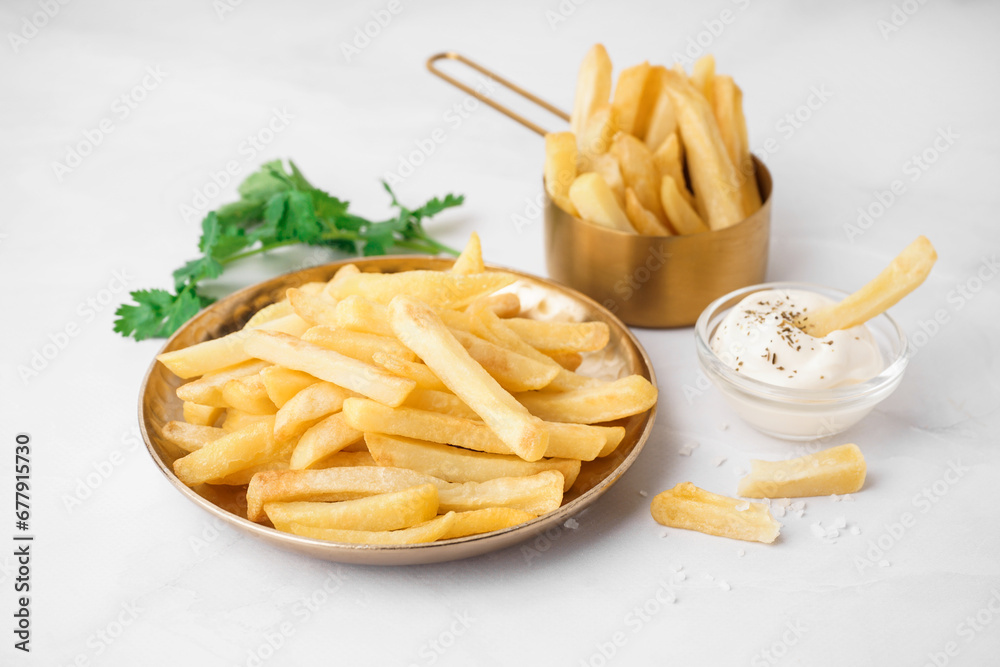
(277, 208)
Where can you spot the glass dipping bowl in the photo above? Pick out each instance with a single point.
(798, 414)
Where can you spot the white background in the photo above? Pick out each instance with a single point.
(121, 552)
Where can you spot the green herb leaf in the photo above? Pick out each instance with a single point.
(277, 208)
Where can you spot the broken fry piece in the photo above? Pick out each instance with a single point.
(836, 470)
(686, 506)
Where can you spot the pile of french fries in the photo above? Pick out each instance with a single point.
(666, 154)
(398, 408)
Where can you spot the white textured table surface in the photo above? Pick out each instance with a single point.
(127, 572)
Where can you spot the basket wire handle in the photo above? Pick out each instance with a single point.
(451, 55)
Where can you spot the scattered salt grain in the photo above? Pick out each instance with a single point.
(724, 426)
(643, 493)
(781, 502)
(884, 563)
(779, 510)
(818, 530)
(840, 522)
(847, 498)
(572, 524)
(687, 448)
(743, 507)
(724, 585)
(719, 461)
(855, 530)
(741, 553)
(681, 576)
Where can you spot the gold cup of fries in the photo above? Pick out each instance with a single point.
(654, 205)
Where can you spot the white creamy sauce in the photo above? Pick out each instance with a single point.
(758, 339)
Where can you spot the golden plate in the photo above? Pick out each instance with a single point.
(159, 404)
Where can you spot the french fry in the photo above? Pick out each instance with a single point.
(439, 401)
(356, 344)
(628, 97)
(504, 304)
(331, 485)
(591, 405)
(733, 127)
(539, 494)
(703, 77)
(662, 119)
(485, 520)
(313, 308)
(429, 531)
(904, 274)
(565, 440)
(342, 273)
(640, 172)
(596, 203)
(471, 259)
(599, 130)
(302, 411)
(421, 375)
(560, 168)
(328, 436)
(453, 464)
(561, 336)
(568, 360)
(384, 511)
(236, 420)
(835, 470)
(357, 313)
(489, 326)
(248, 395)
(512, 371)
(682, 216)
(686, 506)
(243, 477)
(607, 166)
(207, 390)
(283, 383)
(218, 353)
(643, 220)
(268, 313)
(229, 454)
(421, 329)
(202, 415)
(593, 87)
(358, 376)
(713, 175)
(669, 160)
(190, 437)
(345, 459)
(435, 288)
